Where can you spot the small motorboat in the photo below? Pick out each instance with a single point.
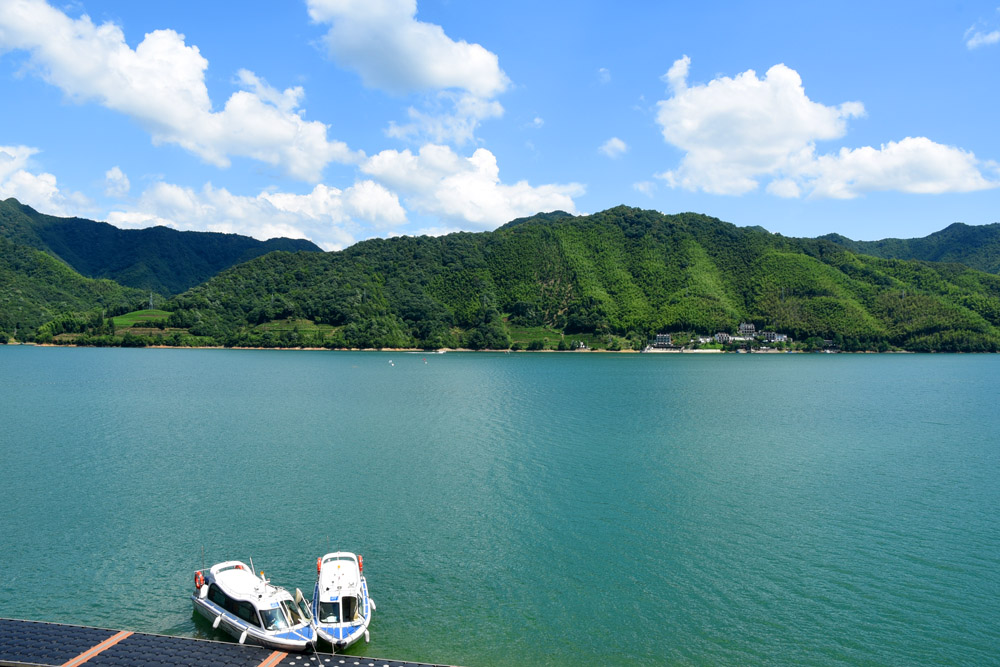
(251, 609)
(341, 607)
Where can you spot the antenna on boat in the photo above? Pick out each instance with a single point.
(252, 568)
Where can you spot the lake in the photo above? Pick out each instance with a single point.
(521, 508)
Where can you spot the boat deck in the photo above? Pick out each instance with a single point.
(39, 644)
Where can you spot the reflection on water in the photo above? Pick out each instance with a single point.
(628, 508)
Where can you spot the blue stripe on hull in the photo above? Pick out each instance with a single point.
(294, 640)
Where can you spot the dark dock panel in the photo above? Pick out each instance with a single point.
(39, 644)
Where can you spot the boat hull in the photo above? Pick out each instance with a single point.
(235, 627)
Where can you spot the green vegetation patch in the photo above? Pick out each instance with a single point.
(146, 316)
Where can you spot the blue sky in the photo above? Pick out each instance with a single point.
(341, 120)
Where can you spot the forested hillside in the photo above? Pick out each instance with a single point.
(625, 273)
(156, 259)
(36, 288)
(977, 246)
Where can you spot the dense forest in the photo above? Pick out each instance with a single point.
(36, 288)
(609, 280)
(157, 259)
(977, 247)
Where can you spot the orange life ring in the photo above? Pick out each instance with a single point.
(199, 579)
(319, 564)
(361, 563)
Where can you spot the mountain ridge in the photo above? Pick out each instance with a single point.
(615, 277)
(976, 246)
(624, 272)
(159, 259)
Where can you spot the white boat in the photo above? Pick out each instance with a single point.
(251, 609)
(341, 607)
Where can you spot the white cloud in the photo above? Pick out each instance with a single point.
(613, 147)
(915, 165)
(116, 183)
(977, 39)
(391, 50)
(604, 75)
(161, 85)
(327, 216)
(983, 33)
(676, 76)
(739, 132)
(372, 202)
(38, 190)
(439, 182)
(14, 158)
(458, 126)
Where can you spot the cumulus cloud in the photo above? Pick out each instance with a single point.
(161, 85)
(330, 217)
(464, 190)
(739, 132)
(736, 130)
(391, 50)
(914, 164)
(38, 190)
(116, 183)
(613, 147)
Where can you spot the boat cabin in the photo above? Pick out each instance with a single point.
(339, 589)
(237, 590)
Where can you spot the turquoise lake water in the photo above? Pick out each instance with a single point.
(521, 508)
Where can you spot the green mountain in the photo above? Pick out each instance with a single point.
(976, 246)
(156, 259)
(36, 288)
(624, 273)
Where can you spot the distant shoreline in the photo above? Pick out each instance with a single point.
(414, 350)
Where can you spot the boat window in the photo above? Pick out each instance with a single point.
(329, 612)
(216, 595)
(246, 611)
(273, 619)
(350, 604)
(333, 559)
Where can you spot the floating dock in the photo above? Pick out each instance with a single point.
(38, 644)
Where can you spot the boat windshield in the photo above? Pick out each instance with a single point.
(350, 607)
(329, 612)
(273, 619)
(293, 612)
(306, 614)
